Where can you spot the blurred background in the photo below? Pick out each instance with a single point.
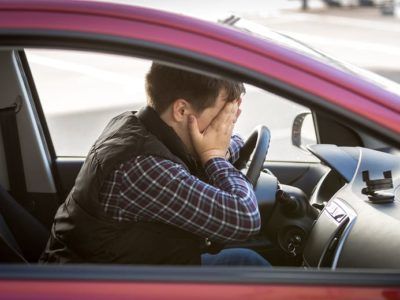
(365, 33)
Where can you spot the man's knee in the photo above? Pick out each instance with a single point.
(235, 257)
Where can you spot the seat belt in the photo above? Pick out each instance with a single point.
(13, 155)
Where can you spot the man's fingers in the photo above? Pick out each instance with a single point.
(194, 129)
(233, 112)
(239, 111)
(222, 116)
(226, 115)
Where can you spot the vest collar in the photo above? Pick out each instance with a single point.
(164, 133)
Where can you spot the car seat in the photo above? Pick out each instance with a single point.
(22, 237)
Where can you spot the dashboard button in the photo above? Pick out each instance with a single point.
(340, 217)
(331, 208)
(339, 214)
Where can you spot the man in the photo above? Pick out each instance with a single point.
(157, 183)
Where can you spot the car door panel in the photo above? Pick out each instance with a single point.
(127, 282)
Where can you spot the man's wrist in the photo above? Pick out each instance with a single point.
(208, 158)
(212, 154)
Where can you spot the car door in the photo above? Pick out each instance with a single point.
(108, 33)
(106, 85)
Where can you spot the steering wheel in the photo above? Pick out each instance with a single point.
(258, 142)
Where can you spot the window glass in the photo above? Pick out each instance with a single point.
(278, 114)
(80, 92)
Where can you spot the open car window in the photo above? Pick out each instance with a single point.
(81, 91)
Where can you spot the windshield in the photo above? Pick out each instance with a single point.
(289, 42)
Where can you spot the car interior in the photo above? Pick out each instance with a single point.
(339, 211)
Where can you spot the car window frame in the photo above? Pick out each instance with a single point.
(234, 72)
(206, 64)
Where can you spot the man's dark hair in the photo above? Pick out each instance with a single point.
(165, 84)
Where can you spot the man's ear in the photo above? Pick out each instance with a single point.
(180, 110)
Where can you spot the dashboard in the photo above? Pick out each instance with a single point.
(359, 226)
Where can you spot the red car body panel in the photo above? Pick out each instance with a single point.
(224, 44)
(212, 40)
(63, 290)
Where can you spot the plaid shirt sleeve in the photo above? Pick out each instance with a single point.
(234, 148)
(150, 188)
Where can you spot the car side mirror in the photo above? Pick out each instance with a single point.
(303, 131)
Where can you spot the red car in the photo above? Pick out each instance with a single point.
(334, 231)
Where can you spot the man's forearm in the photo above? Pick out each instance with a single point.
(225, 210)
(224, 176)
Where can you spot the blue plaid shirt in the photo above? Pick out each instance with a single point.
(150, 188)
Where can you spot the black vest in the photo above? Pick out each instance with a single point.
(81, 231)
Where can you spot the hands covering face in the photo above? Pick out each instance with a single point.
(214, 140)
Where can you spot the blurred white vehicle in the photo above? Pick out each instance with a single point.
(390, 7)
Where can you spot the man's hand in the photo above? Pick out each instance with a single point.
(239, 111)
(214, 141)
